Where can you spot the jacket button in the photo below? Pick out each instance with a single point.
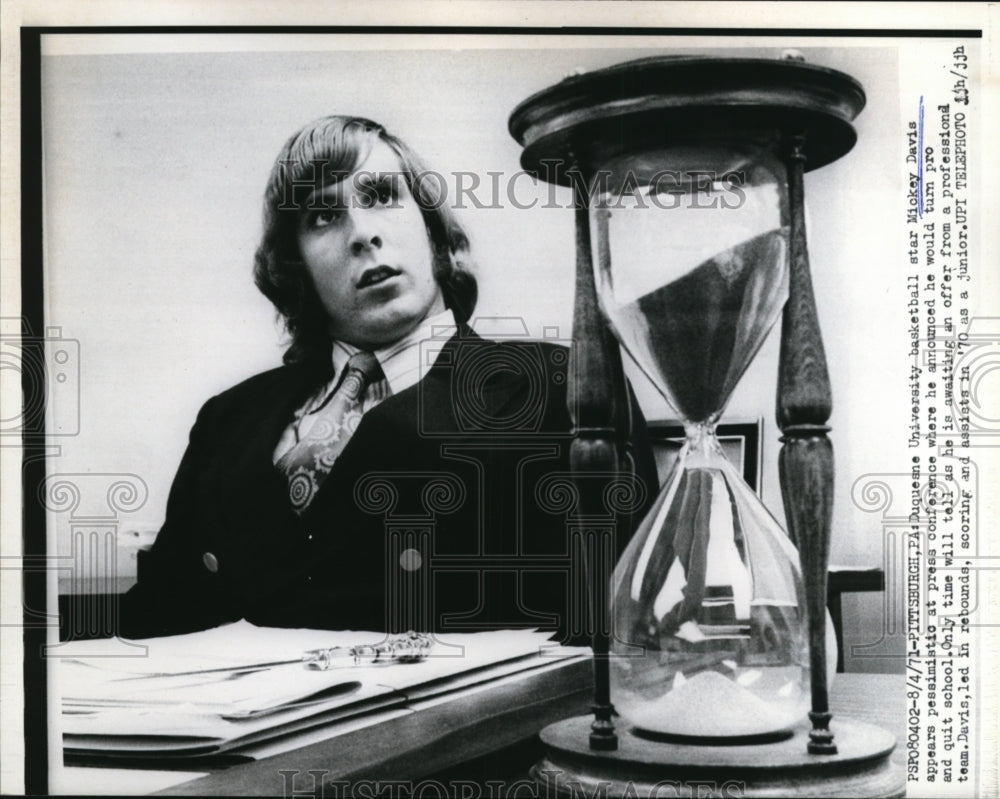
(211, 562)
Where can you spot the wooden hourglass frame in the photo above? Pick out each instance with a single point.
(568, 131)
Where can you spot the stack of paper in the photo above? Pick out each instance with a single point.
(223, 690)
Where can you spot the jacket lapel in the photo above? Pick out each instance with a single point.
(460, 377)
(425, 407)
(256, 488)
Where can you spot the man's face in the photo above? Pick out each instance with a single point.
(369, 255)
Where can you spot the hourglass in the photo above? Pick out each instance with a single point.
(709, 629)
(711, 640)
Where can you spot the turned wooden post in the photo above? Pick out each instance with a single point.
(596, 394)
(806, 459)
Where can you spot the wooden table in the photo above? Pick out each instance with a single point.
(484, 733)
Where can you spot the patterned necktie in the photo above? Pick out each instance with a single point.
(310, 460)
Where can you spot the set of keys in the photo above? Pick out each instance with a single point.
(411, 647)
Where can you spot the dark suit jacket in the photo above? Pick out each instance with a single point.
(446, 510)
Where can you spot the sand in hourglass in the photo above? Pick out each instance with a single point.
(711, 705)
(709, 323)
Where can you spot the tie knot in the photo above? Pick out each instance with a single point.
(362, 369)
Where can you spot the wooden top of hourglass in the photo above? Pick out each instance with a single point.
(588, 118)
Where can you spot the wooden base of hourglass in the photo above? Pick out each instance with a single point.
(643, 767)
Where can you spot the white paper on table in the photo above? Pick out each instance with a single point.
(155, 705)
